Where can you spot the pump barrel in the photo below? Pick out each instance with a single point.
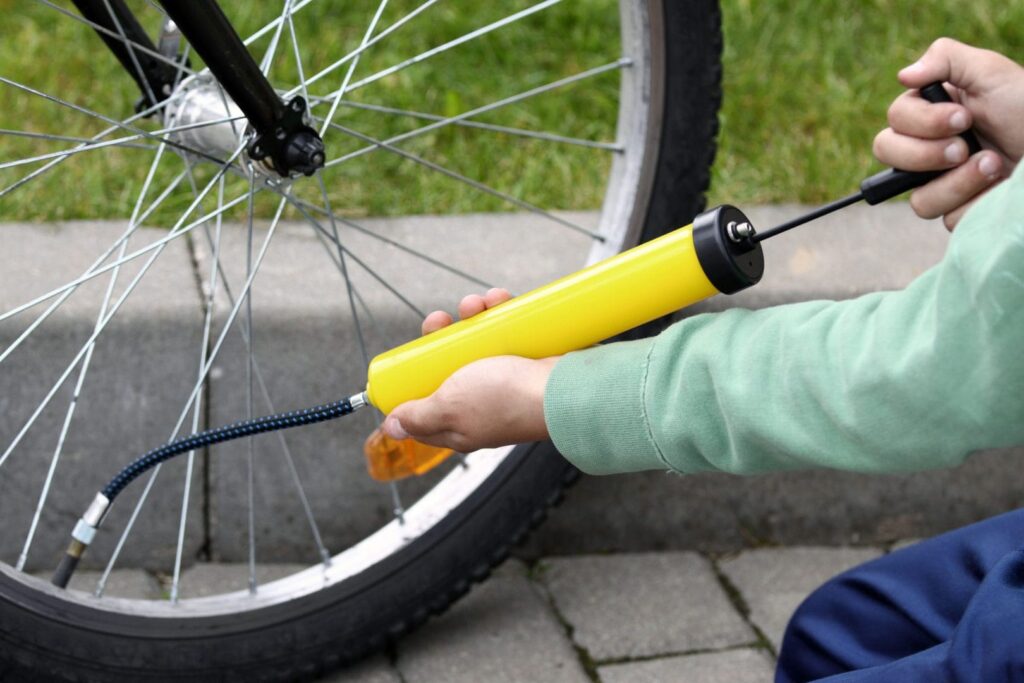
(577, 311)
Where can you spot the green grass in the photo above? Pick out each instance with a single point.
(807, 83)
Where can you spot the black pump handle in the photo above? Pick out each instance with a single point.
(888, 184)
(935, 92)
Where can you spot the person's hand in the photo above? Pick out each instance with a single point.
(988, 93)
(492, 402)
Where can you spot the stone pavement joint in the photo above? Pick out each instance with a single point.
(741, 606)
(501, 631)
(731, 666)
(582, 654)
(774, 581)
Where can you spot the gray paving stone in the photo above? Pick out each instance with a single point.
(774, 581)
(374, 670)
(137, 384)
(639, 605)
(206, 578)
(733, 666)
(503, 631)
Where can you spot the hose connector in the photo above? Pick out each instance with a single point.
(81, 536)
(358, 400)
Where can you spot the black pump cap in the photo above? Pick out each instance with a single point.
(730, 265)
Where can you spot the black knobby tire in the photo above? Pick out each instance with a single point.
(44, 637)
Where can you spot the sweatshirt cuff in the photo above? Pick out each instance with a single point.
(594, 409)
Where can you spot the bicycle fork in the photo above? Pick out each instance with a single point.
(279, 139)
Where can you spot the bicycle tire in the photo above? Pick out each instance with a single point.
(44, 636)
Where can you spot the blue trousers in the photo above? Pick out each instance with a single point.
(949, 609)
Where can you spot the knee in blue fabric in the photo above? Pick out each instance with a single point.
(951, 608)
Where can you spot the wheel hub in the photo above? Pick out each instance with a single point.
(207, 120)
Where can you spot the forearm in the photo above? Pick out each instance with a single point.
(892, 381)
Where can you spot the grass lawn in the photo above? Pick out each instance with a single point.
(807, 83)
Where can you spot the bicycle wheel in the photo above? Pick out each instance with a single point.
(642, 121)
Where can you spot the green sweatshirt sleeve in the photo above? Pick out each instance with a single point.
(891, 381)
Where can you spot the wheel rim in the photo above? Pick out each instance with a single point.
(620, 221)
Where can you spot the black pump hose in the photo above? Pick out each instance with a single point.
(85, 529)
(237, 430)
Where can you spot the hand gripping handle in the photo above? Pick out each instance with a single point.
(889, 183)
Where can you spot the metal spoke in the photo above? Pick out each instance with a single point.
(130, 44)
(196, 388)
(88, 146)
(103, 257)
(351, 67)
(102, 117)
(68, 415)
(396, 501)
(349, 288)
(399, 508)
(337, 264)
(295, 50)
(117, 142)
(268, 56)
(196, 410)
(155, 5)
(362, 303)
(101, 583)
(175, 232)
(325, 556)
(355, 53)
(398, 245)
(423, 56)
(248, 392)
(74, 362)
(519, 97)
(133, 223)
(271, 25)
(66, 138)
(475, 184)
(131, 52)
(519, 132)
(387, 285)
(99, 136)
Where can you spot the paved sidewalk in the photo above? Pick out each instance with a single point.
(621, 618)
(618, 618)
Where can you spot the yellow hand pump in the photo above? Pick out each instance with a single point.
(608, 298)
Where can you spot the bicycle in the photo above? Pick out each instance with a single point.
(211, 135)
